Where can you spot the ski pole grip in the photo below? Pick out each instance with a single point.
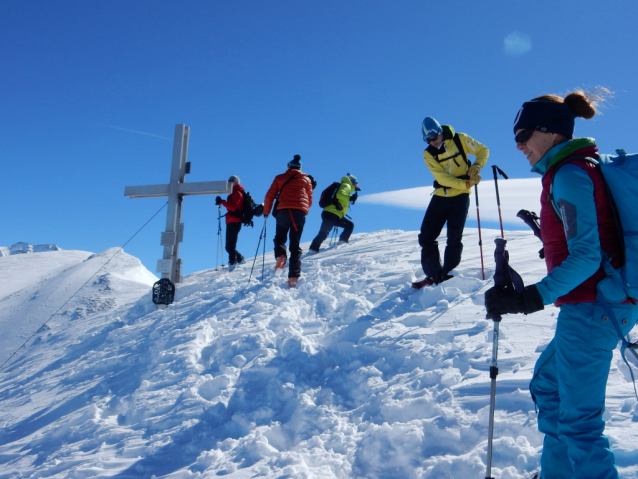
(529, 219)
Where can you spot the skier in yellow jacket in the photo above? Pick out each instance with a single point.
(454, 176)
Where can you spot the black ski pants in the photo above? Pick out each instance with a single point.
(329, 221)
(441, 210)
(290, 222)
(232, 232)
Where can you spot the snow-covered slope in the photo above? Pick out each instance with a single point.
(34, 286)
(351, 375)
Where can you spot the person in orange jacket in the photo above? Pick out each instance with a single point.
(234, 204)
(289, 198)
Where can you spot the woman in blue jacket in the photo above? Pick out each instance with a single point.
(570, 376)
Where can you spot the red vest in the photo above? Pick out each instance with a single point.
(553, 233)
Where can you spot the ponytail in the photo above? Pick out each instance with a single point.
(583, 103)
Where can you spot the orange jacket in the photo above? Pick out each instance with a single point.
(296, 195)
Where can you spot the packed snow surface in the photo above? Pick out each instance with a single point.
(353, 374)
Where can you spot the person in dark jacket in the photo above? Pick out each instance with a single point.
(234, 204)
(570, 376)
(289, 198)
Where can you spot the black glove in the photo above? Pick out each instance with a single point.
(500, 301)
(338, 205)
(541, 253)
(313, 182)
(354, 197)
(218, 200)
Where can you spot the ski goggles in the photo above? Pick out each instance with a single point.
(432, 138)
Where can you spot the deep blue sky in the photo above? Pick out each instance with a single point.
(91, 93)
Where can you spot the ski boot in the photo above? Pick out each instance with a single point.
(281, 264)
(292, 282)
(231, 267)
(431, 281)
(421, 284)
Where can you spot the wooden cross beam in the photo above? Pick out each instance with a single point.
(171, 265)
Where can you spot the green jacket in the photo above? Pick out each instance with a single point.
(343, 197)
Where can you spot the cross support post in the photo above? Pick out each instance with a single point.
(170, 266)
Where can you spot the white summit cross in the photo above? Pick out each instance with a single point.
(171, 266)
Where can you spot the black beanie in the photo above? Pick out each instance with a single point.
(551, 116)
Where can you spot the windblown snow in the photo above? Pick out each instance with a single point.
(353, 374)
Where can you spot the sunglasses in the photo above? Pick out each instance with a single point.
(432, 138)
(525, 135)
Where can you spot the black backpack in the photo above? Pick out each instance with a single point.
(329, 195)
(248, 210)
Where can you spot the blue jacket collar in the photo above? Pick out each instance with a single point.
(543, 165)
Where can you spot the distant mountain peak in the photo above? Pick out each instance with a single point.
(21, 247)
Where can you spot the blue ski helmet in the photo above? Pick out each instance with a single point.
(430, 128)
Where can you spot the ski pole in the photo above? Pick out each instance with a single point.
(219, 235)
(506, 278)
(531, 220)
(478, 218)
(333, 240)
(496, 170)
(263, 256)
(257, 251)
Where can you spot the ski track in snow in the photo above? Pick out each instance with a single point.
(353, 374)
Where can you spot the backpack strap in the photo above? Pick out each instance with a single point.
(459, 145)
(276, 203)
(435, 154)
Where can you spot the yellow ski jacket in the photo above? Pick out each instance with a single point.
(451, 166)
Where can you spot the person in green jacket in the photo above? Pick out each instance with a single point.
(335, 213)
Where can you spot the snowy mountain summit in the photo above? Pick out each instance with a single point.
(21, 248)
(353, 374)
